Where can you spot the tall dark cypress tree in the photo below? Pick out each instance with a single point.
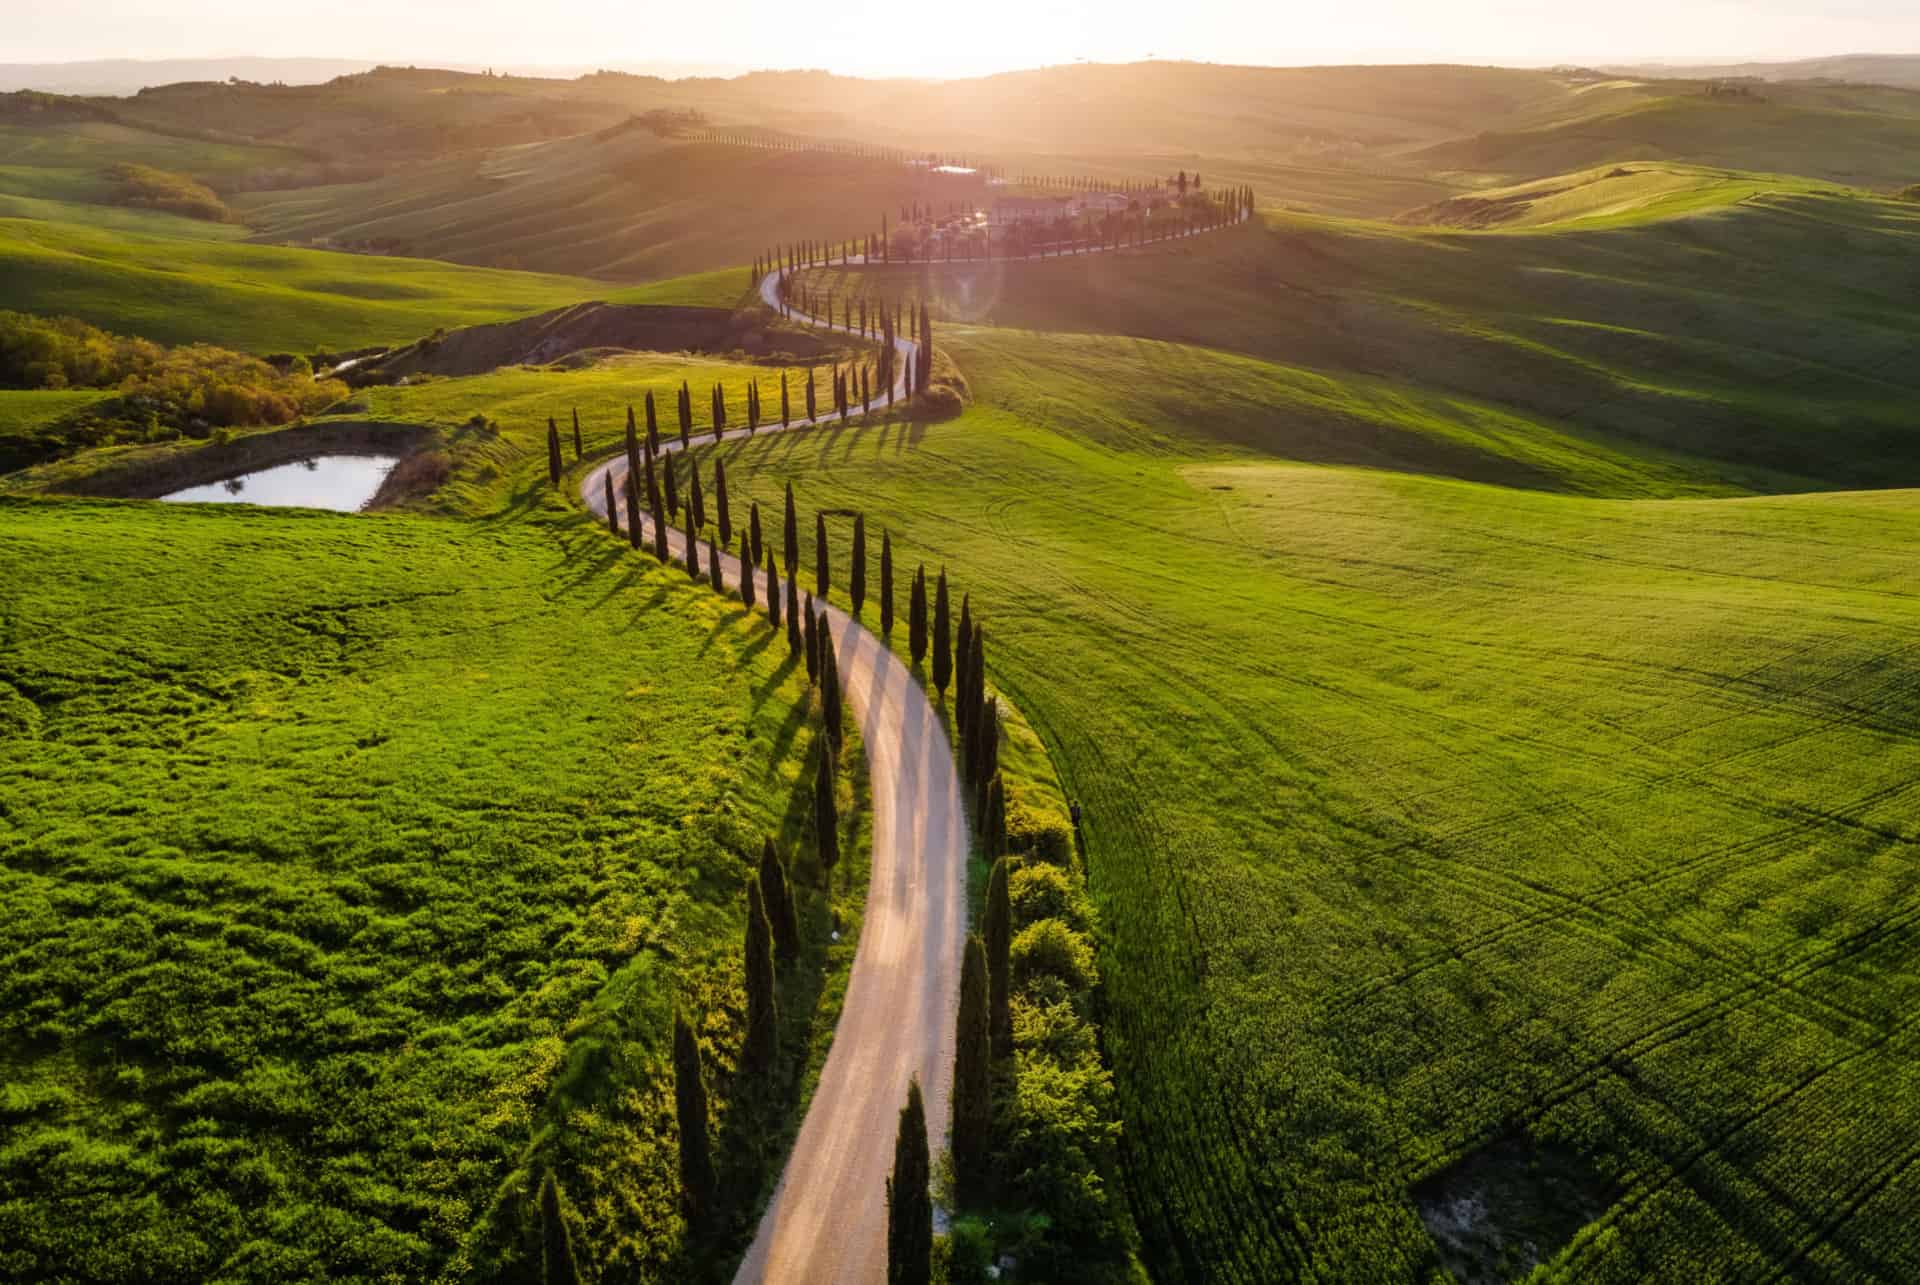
(963, 678)
(763, 1020)
(833, 712)
(753, 532)
(999, 944)
(716, 575)
(719, 411)
(773, 594)
(790, 534)
(909, 1203)
(794, 642)
(553, 451)
(973, 1082)
(886, 585)
(942, 638)
(857, 565)
(810, 630)
(653, 425)
(917, 616)
(786, 408)
(633, 441)
(746, 573)
(673, 487)
(612, 507)
(821, 579)
(633, 510)
(781, 914)
(810, 394)
(686, 416)
(986, 755)
(693, 548)
(696, 500)
(690, 1108)
(556, 1242)
(826, 813)
(993, 819)
(720, 513)
(577, 448)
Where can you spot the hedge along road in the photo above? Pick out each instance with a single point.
(827, 1221)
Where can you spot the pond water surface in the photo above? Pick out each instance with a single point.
(342, 482)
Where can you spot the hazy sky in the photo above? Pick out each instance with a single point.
(924, 37)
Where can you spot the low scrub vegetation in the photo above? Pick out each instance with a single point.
(147, 188)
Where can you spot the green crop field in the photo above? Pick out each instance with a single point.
(1467, 812)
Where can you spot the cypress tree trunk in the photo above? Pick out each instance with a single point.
(558, 1266)
(909, 1203)
(577, 449)
(973, 1082)
(780, 909)
(821, 579)
(830, 703)
(690, 1107)
(746, 573)
(826, 814)
(553, 451)
(790, 533)
(793, 617)
(720, 501)
(809, 629)
(917, 616)
(999, 945)
(613, 509)
(763, 1022)
(633, 511)
(857, 565)
(773, 595)
(942, 638)
(886, 585)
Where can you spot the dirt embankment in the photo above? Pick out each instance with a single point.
(150, 476)
(579, 332)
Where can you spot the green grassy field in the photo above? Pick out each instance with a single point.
(1660, 334)
(1467, 813)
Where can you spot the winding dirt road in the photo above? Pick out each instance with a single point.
(827, 1221)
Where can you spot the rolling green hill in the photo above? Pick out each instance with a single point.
(1441, 827)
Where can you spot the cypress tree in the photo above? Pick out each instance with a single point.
(773, 595)
(986, 764)
(809, 630)
(633, 510)
(942, 638)
(781, 915)
(577, 449)
(785, 406)
(720, 500)
(659, 514)
(719, 411)
(763, 1022)
(993, 819)
(917, 616)
(673, 487)
(690, 1107)
(686, 415)
(826, 813)
(886, 585)
(553, 451)
(820, 554)
(753, 531)
(909, 1203)
(999, 944)
(558, 1266)
(790, 533)
(633, 441)
(963, 678)
(832, 711)
(793, 617)
(653, 426)
(866, 393)
(696, 501)
(753, 406)
(973, 1081)
(613, 509)
(693, 548)
(746, 573)
(810, 394)
(857, 565)
(716, 576)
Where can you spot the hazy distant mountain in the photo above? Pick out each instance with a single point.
(117, 77)
(1868, 69)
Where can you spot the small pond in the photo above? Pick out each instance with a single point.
(343, 482)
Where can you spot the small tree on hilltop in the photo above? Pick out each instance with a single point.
(781, 914)
(973, 1082)
(942, 638)
(690, 1108)
(909, 1202)
(763, 1027)
(557, 1262)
